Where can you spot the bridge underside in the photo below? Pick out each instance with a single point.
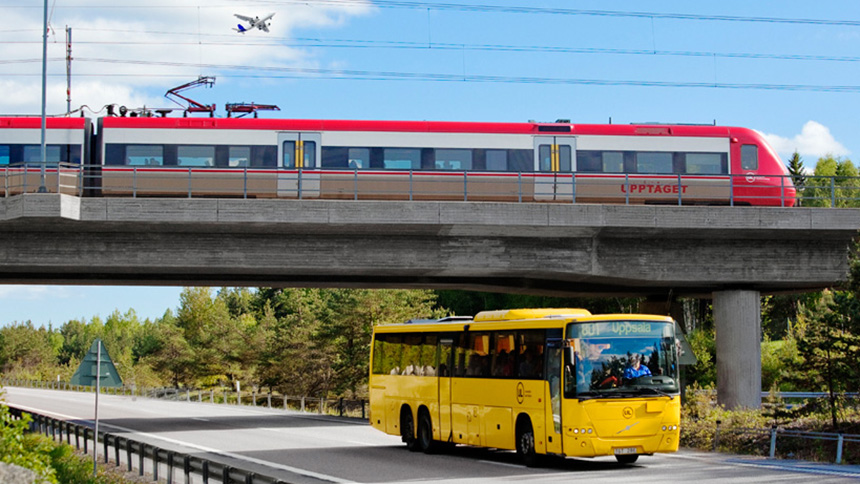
(730, 254)
(560, 250)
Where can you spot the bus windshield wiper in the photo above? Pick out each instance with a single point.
(656, 391)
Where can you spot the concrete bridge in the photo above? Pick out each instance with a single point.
(730, 254)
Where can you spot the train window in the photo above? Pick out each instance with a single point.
(4, 154)
(402, 158)
(144, 155)
(309, 150)
(358, 158)
(239, 156)
(453, 159)
(564, 158)
(706, 164)
(289, 154)
(520, 160)
(195, 155)
(749, 157)
(33, 153)
(497, 160)
(613, 162)
(545, 157)
(649, 162)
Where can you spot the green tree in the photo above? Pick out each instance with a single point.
(835, 184)
(798, 175)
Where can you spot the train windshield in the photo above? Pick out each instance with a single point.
(619, 359)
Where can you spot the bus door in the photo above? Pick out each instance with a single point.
(553, 396)
(554, 166)
(298, 159)
(446, 371)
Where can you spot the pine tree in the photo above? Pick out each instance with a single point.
(796, 170)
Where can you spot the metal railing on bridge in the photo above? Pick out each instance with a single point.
(522, 187)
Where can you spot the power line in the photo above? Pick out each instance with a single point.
(513, 9)
(343, 74)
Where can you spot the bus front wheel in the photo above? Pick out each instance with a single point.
(627, 459)
(526, 443)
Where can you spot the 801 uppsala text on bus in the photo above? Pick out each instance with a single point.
(540, 381)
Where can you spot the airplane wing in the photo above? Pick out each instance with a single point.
(268, 17)
(242, 17)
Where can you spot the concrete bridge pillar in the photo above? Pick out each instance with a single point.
(737, 317)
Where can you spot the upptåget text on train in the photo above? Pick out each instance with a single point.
(395, 160)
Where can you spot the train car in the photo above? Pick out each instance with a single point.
(67, 147)
(545, 162)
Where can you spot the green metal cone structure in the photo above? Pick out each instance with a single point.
(86, 373)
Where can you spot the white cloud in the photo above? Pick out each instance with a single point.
(814, 141)
(33, 293)
(132, 54)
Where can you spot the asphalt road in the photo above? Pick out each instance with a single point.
(306, 448)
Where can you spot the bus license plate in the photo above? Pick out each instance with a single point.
(625, 450)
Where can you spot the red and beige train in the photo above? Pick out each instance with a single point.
(417, 160)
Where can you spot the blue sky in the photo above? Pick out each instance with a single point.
(789, 69)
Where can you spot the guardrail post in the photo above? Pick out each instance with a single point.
(105, 439)
(773, 441)
(154, 463)
(170, 467)
(626, 189)
(86, 442)
(269, 399)
(731, 190)
(205, 472)
(186, 468)
(362, 410)
(249, 478)
(840, 440)
(128, 455)
(211, 396)
(141, 457)
(833, 192)
(116, 441)
(225, 475)
(303, 404)
(322, 404)
(717, 436)
(340, 406)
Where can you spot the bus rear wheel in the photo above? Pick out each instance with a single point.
(526, 443)
(407, 430)
(425, 434)
(627, 459)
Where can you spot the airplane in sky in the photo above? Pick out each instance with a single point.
(254, 22)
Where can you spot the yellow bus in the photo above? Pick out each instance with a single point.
(538, 381)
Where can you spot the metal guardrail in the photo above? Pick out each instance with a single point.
(160, 462)
(191, 182)
(775, 432)
(341, 407)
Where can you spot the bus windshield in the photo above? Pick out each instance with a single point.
(618, 359)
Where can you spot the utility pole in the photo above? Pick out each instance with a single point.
(68, 71)
(44, 152)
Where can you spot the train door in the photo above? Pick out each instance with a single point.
(553, 396)
(554, 166)
(445, 372)
(298, 159)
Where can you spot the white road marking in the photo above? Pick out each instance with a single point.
(295, 470)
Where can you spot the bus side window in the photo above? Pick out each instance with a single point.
(749, 157)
